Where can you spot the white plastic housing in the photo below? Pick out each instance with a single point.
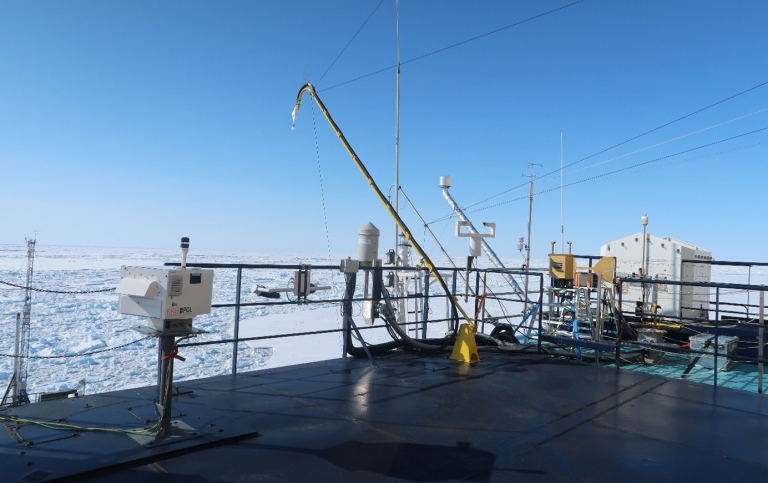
(368, 244)
(475, 239)
(165, 293)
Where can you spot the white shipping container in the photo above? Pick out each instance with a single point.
(663, 259)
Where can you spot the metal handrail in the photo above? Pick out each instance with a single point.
(238, 304)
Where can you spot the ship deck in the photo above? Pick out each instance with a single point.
(411, 418)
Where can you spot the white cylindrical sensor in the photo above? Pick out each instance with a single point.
(368, 243)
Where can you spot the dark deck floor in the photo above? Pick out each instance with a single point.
(424, 419)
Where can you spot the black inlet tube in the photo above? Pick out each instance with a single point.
(359, 352)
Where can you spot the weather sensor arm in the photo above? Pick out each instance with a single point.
(308, 88)
(445, 184)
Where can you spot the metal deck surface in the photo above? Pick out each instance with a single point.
(412, 418)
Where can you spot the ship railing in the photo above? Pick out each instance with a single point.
(486, 287)
(706, 346)
(616, 344)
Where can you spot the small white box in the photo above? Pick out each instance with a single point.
(655, 337)
(370, 311)
(165, 293)
(726, 346)
(349, 266)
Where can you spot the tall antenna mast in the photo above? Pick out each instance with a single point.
(397, 120)
(532, 175)
(20, 361)
(562, 212)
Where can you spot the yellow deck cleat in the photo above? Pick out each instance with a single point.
(465, 348)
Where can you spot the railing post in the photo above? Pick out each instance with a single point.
(760, 337)
(619, 320)
(350, 279)
(237, 321)
(425, 307)
(541, 312)
(477, 300)
(454, 312)
(717, 330)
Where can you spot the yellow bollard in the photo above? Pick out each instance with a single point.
(465, 348)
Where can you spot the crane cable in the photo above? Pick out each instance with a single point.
(308, 88)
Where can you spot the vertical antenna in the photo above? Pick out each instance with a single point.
(562, 215)
(20, 364)
(532, 175)
(397, 119)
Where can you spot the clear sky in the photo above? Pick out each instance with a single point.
(133, 123)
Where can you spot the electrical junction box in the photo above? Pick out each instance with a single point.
(562, 266)
(726, 346)
(165, 293)
(349, 266)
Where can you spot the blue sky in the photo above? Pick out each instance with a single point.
(133, 123)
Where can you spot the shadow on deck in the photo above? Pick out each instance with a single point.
(421, 419)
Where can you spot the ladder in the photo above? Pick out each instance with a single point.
(592, 312)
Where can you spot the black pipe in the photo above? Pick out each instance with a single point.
(374, 349)
(359, 352)
(389, 318)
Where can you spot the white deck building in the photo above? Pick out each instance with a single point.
(663, 261)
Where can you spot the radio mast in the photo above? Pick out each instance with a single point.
(18, 384)
(528, 241)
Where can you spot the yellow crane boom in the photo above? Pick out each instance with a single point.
(465, 349)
